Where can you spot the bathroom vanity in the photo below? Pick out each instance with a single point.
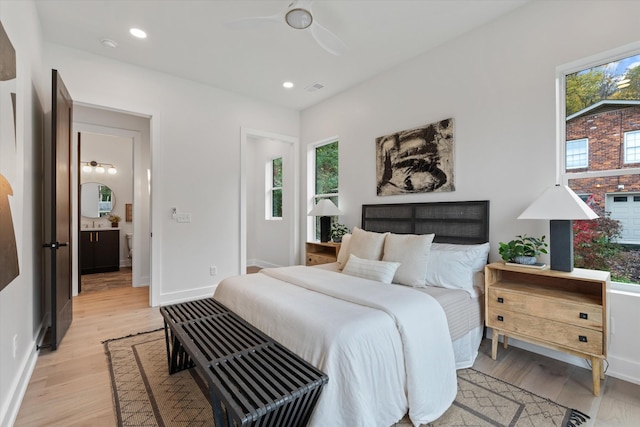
(99, 251)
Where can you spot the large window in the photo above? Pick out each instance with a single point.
(325, 177)
(274, 189)
(600, 162)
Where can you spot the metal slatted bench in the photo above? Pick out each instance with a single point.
(253, 380)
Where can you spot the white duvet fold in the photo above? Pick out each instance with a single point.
(385, 348)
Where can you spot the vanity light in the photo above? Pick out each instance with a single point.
(89, 167)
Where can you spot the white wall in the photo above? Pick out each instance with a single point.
(498, 83)
(268, 241)
(21, 301)
(195, 162)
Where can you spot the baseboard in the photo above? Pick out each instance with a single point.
(182, 296)
(261, 264)
(9, 412)
(624, 369)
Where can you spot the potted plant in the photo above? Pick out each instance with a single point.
(337, 231)
(523, 249)
(114, 220)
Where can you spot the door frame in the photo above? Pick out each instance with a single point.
(245, 135)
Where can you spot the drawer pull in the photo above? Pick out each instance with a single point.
(584, 316)
(500, 319)
(582, 338)
(500, 300)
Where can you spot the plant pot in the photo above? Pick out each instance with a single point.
(114, 225)
(337, 240)
(526, 260)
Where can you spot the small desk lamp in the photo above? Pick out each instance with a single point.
(325, 209)
(560, 205)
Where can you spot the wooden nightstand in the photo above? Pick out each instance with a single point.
(321, 252)
(567, 312)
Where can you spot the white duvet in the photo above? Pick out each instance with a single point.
(385, 348)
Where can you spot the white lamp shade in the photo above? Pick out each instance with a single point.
(558, 202)
(325, 207)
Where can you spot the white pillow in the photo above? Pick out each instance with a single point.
(454, 266)
(380, 271)
(365, 244)
(411, 251)
(343, 254)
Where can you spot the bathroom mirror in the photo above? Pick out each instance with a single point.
(96, 200)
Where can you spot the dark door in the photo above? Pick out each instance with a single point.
(57, 211)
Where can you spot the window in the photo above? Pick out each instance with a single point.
(577, 156)
(601, 116)
(274, 189)
(632, 147)
(325, 177)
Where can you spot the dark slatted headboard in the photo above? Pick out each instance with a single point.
(452, 222)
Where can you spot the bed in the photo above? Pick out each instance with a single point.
(388, 348)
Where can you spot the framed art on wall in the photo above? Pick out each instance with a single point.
(417, 160)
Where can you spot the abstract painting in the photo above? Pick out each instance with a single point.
(417, 160)
(9, 266)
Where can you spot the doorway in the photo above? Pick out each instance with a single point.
(110, 129)
(106, 227)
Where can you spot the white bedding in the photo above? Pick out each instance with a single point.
(386, 349)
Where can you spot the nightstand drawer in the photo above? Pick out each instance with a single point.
(561, 310)
(316, 259)
(584, 340)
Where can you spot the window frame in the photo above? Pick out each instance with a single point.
(586, 153)
(636, 147)
(562, 176)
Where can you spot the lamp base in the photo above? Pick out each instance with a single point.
(325, 228)
(561, 244)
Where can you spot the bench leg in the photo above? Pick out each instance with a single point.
(218, 412)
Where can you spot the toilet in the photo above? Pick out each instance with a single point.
(130, 244)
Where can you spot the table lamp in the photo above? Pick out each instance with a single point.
(325, 209)
(561, 206)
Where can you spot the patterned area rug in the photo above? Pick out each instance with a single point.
(146, 395)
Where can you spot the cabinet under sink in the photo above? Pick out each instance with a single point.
(99, 251)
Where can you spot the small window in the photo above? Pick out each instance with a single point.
(632, 147)
(577, 155)
(274, 189)
(619, 198)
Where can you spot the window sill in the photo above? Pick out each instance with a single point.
(625, 288)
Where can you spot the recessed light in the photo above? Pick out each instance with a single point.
(137, 32)
(287, 85)
(109, 43)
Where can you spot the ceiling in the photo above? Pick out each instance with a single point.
(208, 41)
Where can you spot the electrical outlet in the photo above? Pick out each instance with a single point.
(15, 345)
(213, 270)
(183, 217)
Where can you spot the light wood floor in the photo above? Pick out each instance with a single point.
(71, 387)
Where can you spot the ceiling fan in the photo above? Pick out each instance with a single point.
(298, 16)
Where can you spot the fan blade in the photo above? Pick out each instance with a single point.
(253, 22)
(327, 40)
